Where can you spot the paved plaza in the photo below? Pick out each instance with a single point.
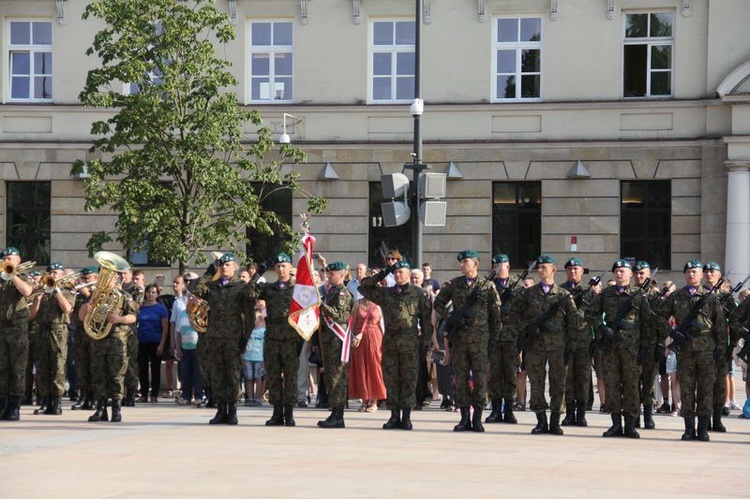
(163, 450)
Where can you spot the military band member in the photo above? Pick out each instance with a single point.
(503, 350)
(696, 367)
(406, 309)
(282, 343)
(134, 283)
(35, 278)
(52, 309)
(712, 271)
(549, 321)
(620, 316)
(109, 355)
(14, 335)
(228, 298)
(84, 344)
(578, 378)
(475, 319)
(336, 310)
(653, 343)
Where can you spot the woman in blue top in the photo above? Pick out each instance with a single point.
(152, 336)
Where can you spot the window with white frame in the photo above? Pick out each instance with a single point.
(517, 65)
(271, 61)
(392, 61)
(154, 75)
(30, 60)
(648, 54)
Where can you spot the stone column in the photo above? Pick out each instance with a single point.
(737, 260)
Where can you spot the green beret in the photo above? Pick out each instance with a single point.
(640, 265)
(545, 259)
(501, 258)
(711, 266)
(34, 273)
(226, 257)
(574, 262)
(335, 266)
(55, 266)
(91, 269)
(467, 254)
(692, 264)
(282, 258)
(401, 265)
(11, 250)
(621, 264)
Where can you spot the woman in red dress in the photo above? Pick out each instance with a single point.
(365, 373)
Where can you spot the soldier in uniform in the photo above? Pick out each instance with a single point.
(712, 271)
(476, 318)
(84, 344)
(696, 365)
(654, 344)
(620, 316)
(109, 356)
(282, 343)
(35, 277)
(578, 378)
(133, 284)
(14, 336)
(406, 310)
(228, 298)
(549, 321)
(503, 350)
(336, 310)
(52, 308)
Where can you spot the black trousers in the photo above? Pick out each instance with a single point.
(148, 360)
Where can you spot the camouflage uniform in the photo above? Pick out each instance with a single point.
(557, 333)
(131, 374)
(469, 343)
(337, 304)
(53, 342)
(83, 351)
(405, 310)
(723, 363)
(503, 355)
(620, 364)
(696, 365)
(14, 340)
(109, 359)
(33, 354)
(282, 343)
(739, 319)
(578, 377)
(653, 351)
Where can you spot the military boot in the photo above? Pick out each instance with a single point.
(116, 411)
(648, 417)
(88, 401)
(554, 423)
(541, 424)
(616, 429)
(335, 420)
(581, 414)
(277, 419)
(495, 415)
(289, 416)
(4, 407)
(394, 421)
(689, 429)
(637, 420)
(42, 409)
(629, 430)
(703, 428)
(508, 416)
(476, 420)
(129, 400)
(101, 412)
(221, 414)
(232, 413)
(55, 406)
(14, 409)
(465, 423)
(79, 405)
(717, 424)
(406, 419)
(570, 415)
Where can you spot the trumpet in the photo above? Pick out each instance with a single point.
(20, 269)
(67, 282)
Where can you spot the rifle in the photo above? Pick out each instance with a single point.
(724, 299)
(743, 353)
(457, 320)
(680, 334)
(580, 290)
(507, 297)
(535, 329)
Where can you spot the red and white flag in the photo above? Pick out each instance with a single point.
(344, 334)
(304, 312)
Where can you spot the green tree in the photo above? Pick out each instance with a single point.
(177, 170)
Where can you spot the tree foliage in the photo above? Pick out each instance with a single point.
(177, 170)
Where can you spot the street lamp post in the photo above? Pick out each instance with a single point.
(416, 109)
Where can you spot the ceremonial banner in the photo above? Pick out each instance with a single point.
(304, 314)
(345, 335)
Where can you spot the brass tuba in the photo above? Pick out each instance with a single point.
(106, 298)
(197, 310)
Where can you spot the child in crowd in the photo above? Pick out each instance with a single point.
(255, 374)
